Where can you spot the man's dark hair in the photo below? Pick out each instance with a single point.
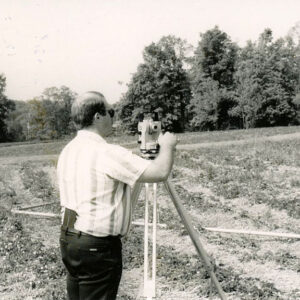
(86, 106)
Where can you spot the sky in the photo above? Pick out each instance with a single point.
(98, 44)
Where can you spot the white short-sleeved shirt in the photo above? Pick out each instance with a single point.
(94, 180)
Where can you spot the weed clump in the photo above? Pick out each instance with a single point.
(36, 181)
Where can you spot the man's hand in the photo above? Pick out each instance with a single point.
(167, 140)
(161, 166)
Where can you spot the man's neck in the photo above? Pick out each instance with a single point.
(93, 129)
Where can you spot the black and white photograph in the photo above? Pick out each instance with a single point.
(149, 150)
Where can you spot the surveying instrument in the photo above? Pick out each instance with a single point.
(149, 129)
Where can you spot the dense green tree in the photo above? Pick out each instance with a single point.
(294, 33)
(160, 84)
(17, 122)
(45, 117)
(248, 89)
(215, 58)
(212, 81)
(58, 102)
(37, 125)
(182, 48)
(6, 106)
(296, 102)
(267, 79)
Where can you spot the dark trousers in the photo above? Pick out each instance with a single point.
(94, 265)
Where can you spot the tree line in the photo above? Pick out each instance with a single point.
(45, 117)
(223, 86)
(218, 85)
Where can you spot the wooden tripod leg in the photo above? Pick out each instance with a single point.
(194, 237)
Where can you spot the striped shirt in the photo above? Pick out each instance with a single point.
(94, 179)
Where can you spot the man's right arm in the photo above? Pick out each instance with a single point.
(161, 166)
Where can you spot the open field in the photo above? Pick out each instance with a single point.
(54, 147)
(250, 185)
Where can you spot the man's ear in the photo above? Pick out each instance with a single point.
(96, 116)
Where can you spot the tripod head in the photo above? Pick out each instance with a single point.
(149, 129)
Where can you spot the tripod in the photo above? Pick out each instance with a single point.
(149, 130)
(149, 282)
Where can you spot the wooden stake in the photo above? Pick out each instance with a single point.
(264, 233)
(140, 223)
(37, 205)
(35, 213)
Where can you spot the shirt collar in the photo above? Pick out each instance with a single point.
(91, 135)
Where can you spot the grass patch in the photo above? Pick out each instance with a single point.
(261, 174)
(20, 252)
(130, 141)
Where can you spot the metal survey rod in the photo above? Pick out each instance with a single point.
(154, 233)
(194, 237)
(146, 236)
(149, 282)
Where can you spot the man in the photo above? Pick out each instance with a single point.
(95, 178)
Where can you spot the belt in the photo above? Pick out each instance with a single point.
(67, 230)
